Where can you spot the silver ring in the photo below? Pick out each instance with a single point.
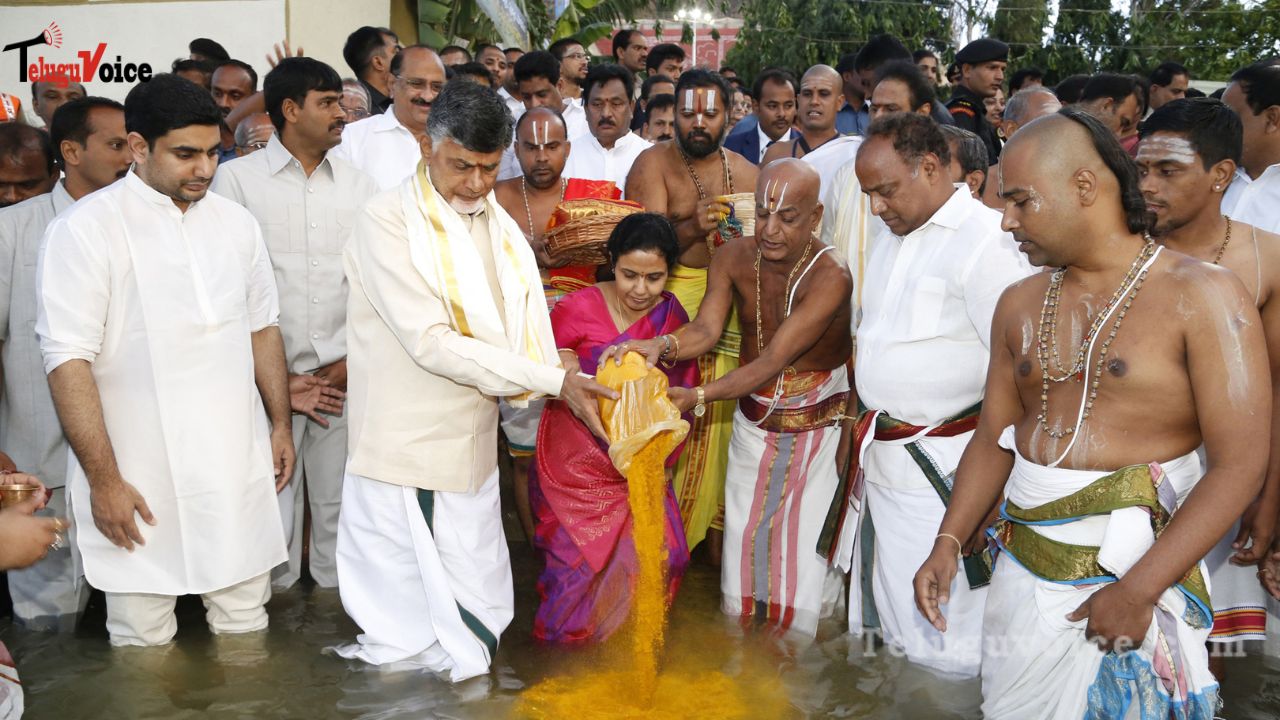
(58, 542)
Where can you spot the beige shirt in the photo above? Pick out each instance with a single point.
(306, 222)
(422, 399)
(29, 429)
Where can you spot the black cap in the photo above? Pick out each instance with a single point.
(982, 50)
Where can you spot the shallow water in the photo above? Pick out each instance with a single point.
(283, 674)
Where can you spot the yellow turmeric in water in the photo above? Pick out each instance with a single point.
(638, 689)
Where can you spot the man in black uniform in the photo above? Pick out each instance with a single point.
(982, 64)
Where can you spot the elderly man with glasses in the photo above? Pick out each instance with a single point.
(386, 146)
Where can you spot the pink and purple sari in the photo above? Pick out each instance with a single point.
(580, 501)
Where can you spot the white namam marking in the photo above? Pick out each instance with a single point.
(689, 104)
(1166, 148)
(782, 198)
(1034, 198)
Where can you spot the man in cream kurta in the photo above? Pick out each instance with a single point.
(446, 315)
(923, 343)
(157, 318)
(306, 201)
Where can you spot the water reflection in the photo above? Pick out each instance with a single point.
(284, 674)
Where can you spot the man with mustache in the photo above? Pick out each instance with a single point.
(157, 323)
(1187, 156)
(233, 81)
(686, 180)
(819, 143)
(660, 120)
(385, 147)
(446, 317)
(90, 146)
(306, 201)
(922, 348)
(49, 95)
(27, 166)
(610, 149)
(537, 77)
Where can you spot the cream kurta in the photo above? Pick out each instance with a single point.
(162, 303)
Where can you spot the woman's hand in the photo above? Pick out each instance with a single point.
(651, 350)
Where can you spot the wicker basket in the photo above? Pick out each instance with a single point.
(579, 229)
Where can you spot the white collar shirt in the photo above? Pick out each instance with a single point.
(29, 429)
(1256, 202)
(514, 104)
(924, 339)
(380, 147)
(589, 160)
(766, 141)
(306, 222)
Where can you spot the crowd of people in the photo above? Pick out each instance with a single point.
(893, 322)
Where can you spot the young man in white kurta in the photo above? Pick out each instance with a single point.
(307, 212)
(50, 593)
(446, 315)
(157, 318)
(1254, 195)
(923, 346)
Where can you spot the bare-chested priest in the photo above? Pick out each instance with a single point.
(686, 179)
(1187, 157)
(1099, 597)
(792, 293)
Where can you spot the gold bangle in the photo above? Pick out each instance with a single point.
(959, 545)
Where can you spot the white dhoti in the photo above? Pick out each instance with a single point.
(778, 489)
(317, 483)
(520, 425)
(51, 594)
(11, 701)
(1238, 598)
(906, 520)
(425, 574)
(1037, 664)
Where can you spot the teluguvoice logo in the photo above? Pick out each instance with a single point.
(87, 67)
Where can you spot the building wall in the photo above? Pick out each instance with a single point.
(711, 53)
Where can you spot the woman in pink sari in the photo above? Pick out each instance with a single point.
(579, 500)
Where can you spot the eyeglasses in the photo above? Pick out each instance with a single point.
(576, 56)
(420, 83)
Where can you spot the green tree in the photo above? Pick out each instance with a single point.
(1021, 23)
(801, 33)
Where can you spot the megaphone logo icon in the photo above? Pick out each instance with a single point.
(51, 35)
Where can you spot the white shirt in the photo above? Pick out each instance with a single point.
(925, 336)
(589, 160)
(29, 429)
(830, 156)
(515, 105)
(306, 222)
(162, 305)
(1255, 202)
(381, 148)
(766, 141)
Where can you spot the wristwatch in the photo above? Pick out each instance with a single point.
(700, 408)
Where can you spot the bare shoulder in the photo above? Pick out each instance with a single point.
(832, 268)
(650, 158)
(742, 170)
(1195, 290)
(1027, 292)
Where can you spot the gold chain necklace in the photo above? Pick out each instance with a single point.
(1050, 309)
(786, 311)
(1223, 248)
(1046, 336)
(524, 193)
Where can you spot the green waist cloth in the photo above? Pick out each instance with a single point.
(1055, 561)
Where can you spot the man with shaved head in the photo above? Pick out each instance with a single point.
(385, 146)
(1088, 439)
(819, 143)
(792, 293)
(686, 180)
(930, 288)
(1025, 106)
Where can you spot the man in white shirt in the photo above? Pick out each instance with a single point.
(1254, 195)
(88, 139)
(609, 149)
(157, 319)
(446, 316)
(385, 147)
(306, 201)
(537, 76)
(923, 345)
